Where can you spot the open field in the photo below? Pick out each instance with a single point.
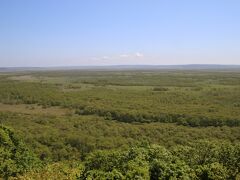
(34, 109)
(72, 119)
(190, 98)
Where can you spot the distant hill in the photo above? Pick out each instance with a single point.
(127, 67)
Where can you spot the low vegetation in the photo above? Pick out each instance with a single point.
(120, 125)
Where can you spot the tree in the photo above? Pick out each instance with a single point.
(15, 157)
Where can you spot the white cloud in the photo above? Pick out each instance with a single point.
(138, 54)
(100, 58)
(105, 57)
(94, 58)
(124, 55)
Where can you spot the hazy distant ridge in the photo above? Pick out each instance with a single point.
(126, 67)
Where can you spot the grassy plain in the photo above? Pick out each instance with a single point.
(67, 115)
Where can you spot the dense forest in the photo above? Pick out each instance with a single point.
(89, 124)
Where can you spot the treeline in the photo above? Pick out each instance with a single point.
(180, 119)
(198, 161)
(12, 92)
(72, 137)
(67, 140)
(126, 105)
(203, 160)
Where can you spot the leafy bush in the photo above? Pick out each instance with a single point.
(15, 157)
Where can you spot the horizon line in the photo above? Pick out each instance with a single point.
(72, 66)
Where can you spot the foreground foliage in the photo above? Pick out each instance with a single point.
(203, 160)
(15, 158)
(72, 137)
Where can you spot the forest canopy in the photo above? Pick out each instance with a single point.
(120, 125)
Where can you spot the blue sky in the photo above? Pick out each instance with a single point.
(108, 32)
